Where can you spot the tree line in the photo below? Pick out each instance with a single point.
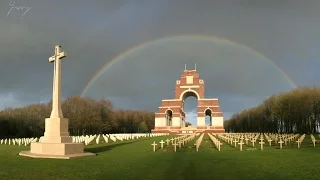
(297, 111)
(86, 116)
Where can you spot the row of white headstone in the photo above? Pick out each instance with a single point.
(234, 138)
(176, 141)
(18, 141)
(215, 141)
(198, 142)
(88, 139)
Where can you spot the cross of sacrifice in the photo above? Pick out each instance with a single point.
(161, 143)
(261, 143)
(299, 143)
(168, 140)
(56, 98)
(280, 142)
(241, 143)
(154, 146)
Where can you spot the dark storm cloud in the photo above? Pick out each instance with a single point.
(93, 32)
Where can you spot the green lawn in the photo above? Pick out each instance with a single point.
(136, 160)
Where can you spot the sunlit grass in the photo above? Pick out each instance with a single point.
(136, 160)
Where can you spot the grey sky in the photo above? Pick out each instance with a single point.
(94, 32)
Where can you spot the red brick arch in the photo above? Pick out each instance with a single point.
(189, 84)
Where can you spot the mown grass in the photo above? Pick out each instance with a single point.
(136, 160)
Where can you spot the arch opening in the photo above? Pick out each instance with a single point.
(187, 93)
(208, 117)
(169, 117)
(190, 107)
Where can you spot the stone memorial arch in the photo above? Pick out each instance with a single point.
(170, 117)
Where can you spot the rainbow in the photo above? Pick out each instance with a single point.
(145, 44)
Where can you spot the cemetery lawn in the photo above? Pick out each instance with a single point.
(134, 159)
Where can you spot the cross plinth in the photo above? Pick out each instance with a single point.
(56, 142)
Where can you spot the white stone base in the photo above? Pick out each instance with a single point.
(56, 142)
(69, 156)
(56, 150)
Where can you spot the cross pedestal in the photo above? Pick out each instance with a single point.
(56, 142)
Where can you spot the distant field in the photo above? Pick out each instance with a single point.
(135, 160)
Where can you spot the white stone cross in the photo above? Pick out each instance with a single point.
(299, 143)
(175, 146)
(168, 141)
(242, 138)
(240, 143)
(154, 146)
(253, 141)
(269, 141)
(261, 144)
(56, 99)
(280, 142)
(246, 140)
(161, 143)
(235, 142)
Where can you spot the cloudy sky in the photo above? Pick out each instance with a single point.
(245, 50)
